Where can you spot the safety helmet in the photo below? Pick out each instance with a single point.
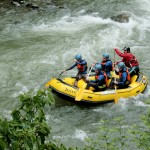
(121, 65)
(105, 55)
(98, 67)
(78, 57)
(127, 49)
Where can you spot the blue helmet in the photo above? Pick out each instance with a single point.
(105, 55)
(78, 57)
(98, 67)
(121, 65)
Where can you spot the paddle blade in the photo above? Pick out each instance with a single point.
(116, 98)
(79, 94)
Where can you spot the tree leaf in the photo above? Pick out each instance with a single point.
(2, 145)
(16, 114)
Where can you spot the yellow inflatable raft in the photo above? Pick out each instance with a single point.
(65, 89)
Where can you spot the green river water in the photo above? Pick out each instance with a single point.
(37, 45)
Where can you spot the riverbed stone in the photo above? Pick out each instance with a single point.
(122, 18)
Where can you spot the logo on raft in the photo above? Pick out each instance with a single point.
(70, 91)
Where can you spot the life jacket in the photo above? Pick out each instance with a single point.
(106, 79)
(128, 74)
(103, 63)
(131, 60)
(81, 67)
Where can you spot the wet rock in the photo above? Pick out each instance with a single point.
(15, 3)
(122, 18)
(33, 6)
(16, 22)
(21, 2)
(61, 7)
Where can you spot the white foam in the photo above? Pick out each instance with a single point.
(76, 23)
(7, 114)
(143, 5)
(23, 89)
(80, 134)
(140, 103)
(98, 110)
(68, 23)
(49, 59)
(62, 137)
(147, 93)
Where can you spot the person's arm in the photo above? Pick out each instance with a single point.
(71, 67)
(124, 76)
(123, 60)
(93, 68)
(93, 81)
(97, 80)
(119, 53)
(100, 78)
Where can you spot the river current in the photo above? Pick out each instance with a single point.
(36, 45)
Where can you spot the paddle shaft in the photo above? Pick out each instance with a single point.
(114, 66)
(116, 98)
(61, 73)
(89, 72)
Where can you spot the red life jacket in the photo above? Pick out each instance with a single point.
(81, 67)
(106, 79)
(128, 75)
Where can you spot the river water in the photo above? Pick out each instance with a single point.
(37, 45)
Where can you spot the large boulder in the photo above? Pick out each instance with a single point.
(122, 18)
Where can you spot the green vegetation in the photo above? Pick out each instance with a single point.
(28, 129)
(142, 134)
(111, 137)
(119, 136)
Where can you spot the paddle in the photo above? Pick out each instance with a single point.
(81, 90)
(61, 73)
(115, 98)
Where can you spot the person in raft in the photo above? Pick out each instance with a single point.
(129, 59)
(81, 65)
(100, 79)
(124, 77)
(107, 65)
